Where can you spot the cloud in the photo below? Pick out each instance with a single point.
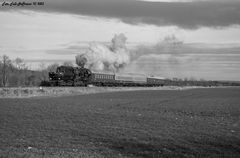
(171, 57)
(190, 15)
(188, 61)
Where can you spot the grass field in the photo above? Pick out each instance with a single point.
(166, 123)
(26, 92)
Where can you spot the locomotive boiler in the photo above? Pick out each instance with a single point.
(68, 75)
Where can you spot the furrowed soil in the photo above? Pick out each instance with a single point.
(159, 123)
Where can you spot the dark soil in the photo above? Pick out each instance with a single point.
(187, 123)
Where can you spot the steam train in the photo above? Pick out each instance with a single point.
(79, 76)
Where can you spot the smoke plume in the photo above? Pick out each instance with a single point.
(169, 45)
(101, 57)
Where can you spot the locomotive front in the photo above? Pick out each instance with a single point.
(58, 75)
(70, 76)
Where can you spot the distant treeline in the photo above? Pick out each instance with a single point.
(203, 83)
(15, 73)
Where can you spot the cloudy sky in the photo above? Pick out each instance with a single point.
(208, 30)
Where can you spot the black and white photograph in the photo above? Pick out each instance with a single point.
(119, 78)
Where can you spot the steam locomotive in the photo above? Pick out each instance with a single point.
(79, 76)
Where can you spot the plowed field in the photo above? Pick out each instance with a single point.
(164, 123)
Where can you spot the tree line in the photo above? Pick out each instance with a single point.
(15, 73)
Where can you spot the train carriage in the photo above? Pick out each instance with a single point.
(130, 79)
(102, 79)
(155, 81)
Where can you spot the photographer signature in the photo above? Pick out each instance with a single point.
(22, 3)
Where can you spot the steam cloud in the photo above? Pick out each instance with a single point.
(101, 57)
(115, 57)
(169, 45)
(164, 58)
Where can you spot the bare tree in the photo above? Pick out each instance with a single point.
(52, 67)
(5, 68)
(42, 66)
(20, 64)
(67, 63)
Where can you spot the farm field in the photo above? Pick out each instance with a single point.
(26, 92)
(160, 123)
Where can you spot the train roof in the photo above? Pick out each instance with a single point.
(156, 77)
(104, 73)
(130, 74)
(119, 74)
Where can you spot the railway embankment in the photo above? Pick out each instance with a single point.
(25, 92)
